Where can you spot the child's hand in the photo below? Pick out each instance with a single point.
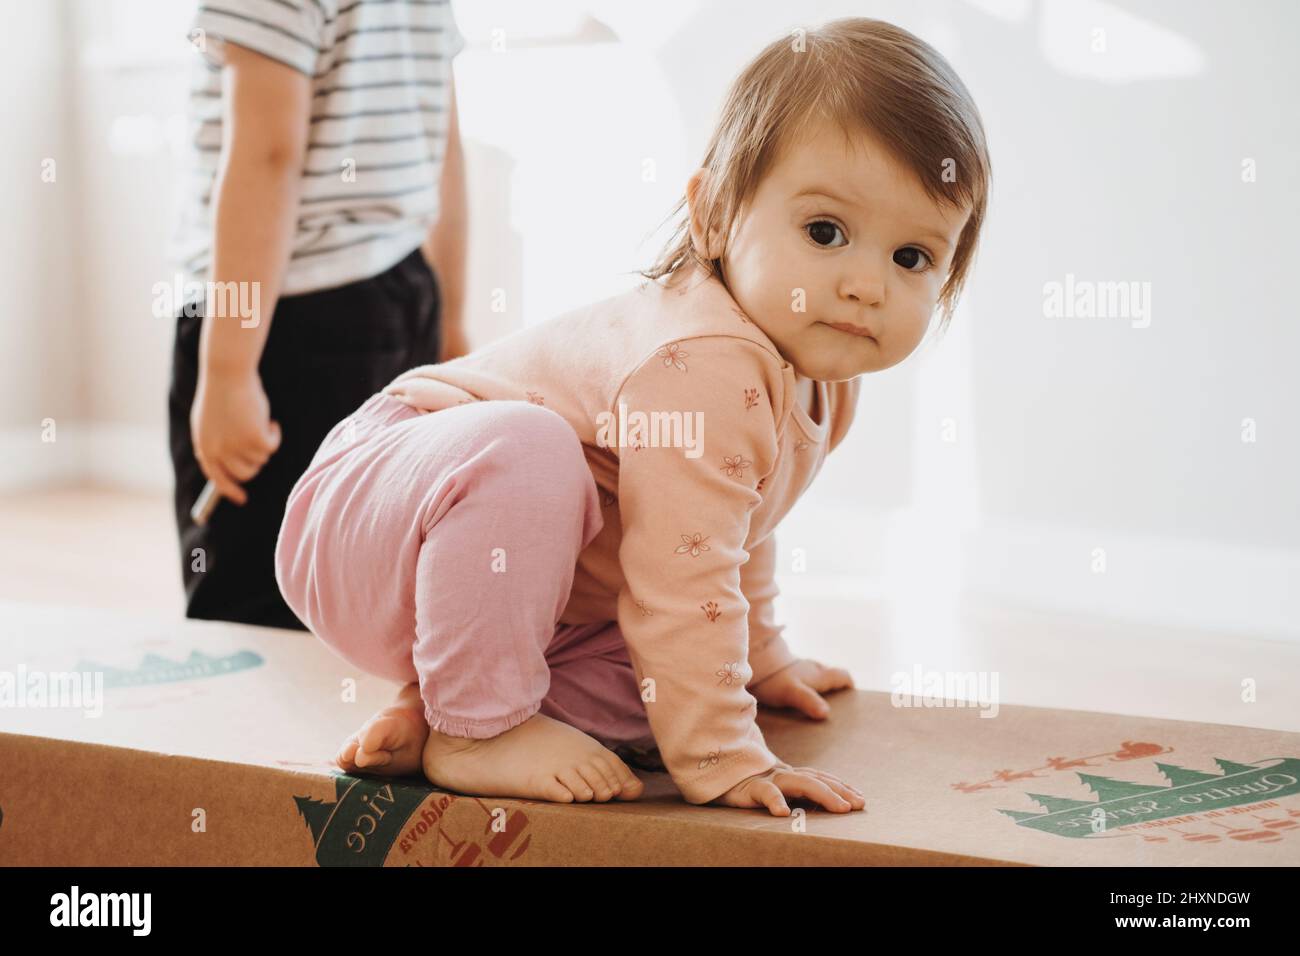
(771, 788)
(797, 686)
(232, 430)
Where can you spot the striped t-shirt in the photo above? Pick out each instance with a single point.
(380, 74)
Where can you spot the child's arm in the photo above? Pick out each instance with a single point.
(255, 203)
(445, 247)
(685, 520)
(255, 198)
(768, 651)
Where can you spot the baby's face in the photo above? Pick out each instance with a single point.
(849, 235)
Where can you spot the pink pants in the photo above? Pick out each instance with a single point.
(441, 548)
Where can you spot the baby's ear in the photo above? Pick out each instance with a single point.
(707, 245)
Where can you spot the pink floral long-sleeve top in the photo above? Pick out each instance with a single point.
(689, 420)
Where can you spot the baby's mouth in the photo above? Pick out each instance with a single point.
(855, 330)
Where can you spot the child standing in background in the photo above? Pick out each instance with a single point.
(327, 170)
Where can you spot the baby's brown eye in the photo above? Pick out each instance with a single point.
(823, 232)
(910, 257)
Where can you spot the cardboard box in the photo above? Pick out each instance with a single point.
(214, 747)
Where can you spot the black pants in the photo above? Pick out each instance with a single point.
(325, 354)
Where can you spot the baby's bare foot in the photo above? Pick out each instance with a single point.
(541, 759)
(390, 743)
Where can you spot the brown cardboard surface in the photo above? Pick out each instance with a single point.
(215, 741)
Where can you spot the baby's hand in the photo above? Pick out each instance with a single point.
(797, 686)
(771, 788)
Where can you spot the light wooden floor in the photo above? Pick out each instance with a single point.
(103, 549)
(91, 548)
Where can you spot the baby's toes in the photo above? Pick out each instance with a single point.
(576, 784)
(389, 732)
(372, 759)
(630, 785)
(377, 735)
(346, 757)
(392, 744)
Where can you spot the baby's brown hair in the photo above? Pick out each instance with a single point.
(863, 75)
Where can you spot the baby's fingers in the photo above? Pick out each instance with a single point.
(831, 780)
(849, 792)
(834, 678)
(768, 794)
(807, 699)
(813, 788)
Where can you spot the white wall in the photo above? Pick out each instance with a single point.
(39, 170)
(1122, 164)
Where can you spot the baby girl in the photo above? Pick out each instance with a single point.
(562, 543)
